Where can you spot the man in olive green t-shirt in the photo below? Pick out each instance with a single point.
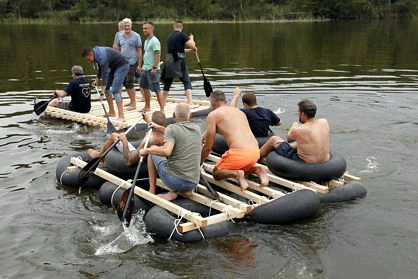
(177, 161)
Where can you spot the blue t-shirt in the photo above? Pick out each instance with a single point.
(260, 120)
(129, 46)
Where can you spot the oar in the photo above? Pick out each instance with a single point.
(126, 202)
(40, 107)
(110, 127)
(206, 83)
(212, 191)
(92, 165)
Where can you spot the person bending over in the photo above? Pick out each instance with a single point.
(243, 151)
(307, 142)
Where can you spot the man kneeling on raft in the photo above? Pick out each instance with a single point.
(307, 142)
(243, 151)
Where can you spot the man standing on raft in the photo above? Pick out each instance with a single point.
(243, 151)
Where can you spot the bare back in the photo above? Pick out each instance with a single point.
(233, 125)
(312, 139)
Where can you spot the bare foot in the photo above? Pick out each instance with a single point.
(121, 119)
(93, 153)
(192, 106)
(127, 105)
(262, 174)
(145, 109)
(241, 179)
(130, 108)
(168, 196)
(110, 114)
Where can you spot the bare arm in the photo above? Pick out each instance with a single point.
(139, 68)
(209, 137)
(234, 101)
(165, 150)
(60, 93)
(291, 135)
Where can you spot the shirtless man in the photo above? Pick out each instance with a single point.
(243, 151)
(307, 142)
(158, 122)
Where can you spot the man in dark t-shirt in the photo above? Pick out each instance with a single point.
(79, 90)
(259, 118)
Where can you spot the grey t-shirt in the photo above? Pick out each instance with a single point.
(184, 161)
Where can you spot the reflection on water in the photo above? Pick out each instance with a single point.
(363, 79)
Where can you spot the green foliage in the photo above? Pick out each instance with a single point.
(231, 10)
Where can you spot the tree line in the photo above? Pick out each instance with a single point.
(206, 10)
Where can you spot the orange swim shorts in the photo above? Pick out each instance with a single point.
(238, 159)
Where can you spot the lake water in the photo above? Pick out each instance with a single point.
(363, 77)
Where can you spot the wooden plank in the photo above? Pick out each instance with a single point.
(236, 189)
(228, 200)
(178, 210)
(251, 184)
(225, 208)
(350, 177)
(96, 115)
(285, 182)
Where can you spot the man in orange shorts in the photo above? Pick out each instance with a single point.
(243, 154)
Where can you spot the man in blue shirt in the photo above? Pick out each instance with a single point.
(259, 118)
(112, 69)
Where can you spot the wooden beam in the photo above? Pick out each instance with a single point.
(178, 210)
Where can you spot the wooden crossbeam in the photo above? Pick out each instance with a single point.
(178, 210)
(284, 182)
(235, 189)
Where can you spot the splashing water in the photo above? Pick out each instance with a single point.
(372, 165)
(129, 238)
(279, 111)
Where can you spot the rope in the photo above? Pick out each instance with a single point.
(177, 222)
(226, 211)
(113, 194)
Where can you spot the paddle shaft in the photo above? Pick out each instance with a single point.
(131, 191)
(200, 65)
(110, 127)
(97, 160)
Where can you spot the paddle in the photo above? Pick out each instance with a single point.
(40, 107)
(92, 165)
(212, 191)
(126, 202)
(110, 127)
(206, 84)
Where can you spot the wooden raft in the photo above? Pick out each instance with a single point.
(96, 115)
(228, 207)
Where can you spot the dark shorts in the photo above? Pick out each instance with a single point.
(64, 105)
(148, 81)
(130, 77)
(284, 149)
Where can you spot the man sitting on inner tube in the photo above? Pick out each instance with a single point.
(243, 151)
(131, 154)
(259, 118)
(307, 142)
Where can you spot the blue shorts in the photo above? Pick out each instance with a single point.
(148, 81)
(284, 149)
(170, 180)
(115, 82)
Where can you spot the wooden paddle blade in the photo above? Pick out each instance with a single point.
(40, 107)
(208, 87)
(125, 208)
(110, 128)
(86, 170)
(122, 203)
